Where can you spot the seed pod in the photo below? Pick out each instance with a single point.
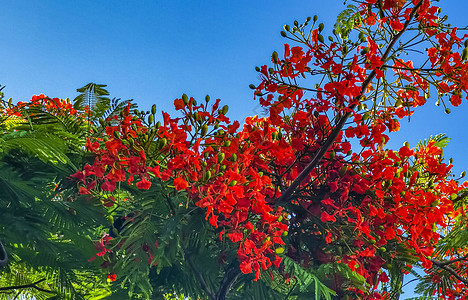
(252, 86)
(283, 34)
(462, 174)
(315, 18)
(153, 109)
(447, 111)
(150, 119)
(287, 28)
(221, 157)
(320, 27)
(158, 124)
(257, 69)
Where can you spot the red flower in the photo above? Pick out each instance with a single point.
(143, 184)
(180, 184)
(112, 277)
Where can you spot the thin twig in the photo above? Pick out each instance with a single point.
(450, 270)
(30, 285)
(448, 262)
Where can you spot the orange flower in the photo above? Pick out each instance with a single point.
(180, 184)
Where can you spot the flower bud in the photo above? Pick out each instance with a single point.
(185, 99)
(274, 56)
(204, 130)
(224, 110)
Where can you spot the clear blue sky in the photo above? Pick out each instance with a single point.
(153, 51)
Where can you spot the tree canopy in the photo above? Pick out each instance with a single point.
(102, 199)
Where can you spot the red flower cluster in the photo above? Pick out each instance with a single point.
(118, 158)
(363, 209)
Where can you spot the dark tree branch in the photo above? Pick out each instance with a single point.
(339, 126)
(199, 276)
(229, 279)
(444, 266)
(448, 262)
(30, 285)
(3, 255)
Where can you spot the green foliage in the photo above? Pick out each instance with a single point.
(46, 230)
(94, 96)
(346, 21)
(100, 106)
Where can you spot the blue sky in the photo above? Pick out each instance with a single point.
(153, 51)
